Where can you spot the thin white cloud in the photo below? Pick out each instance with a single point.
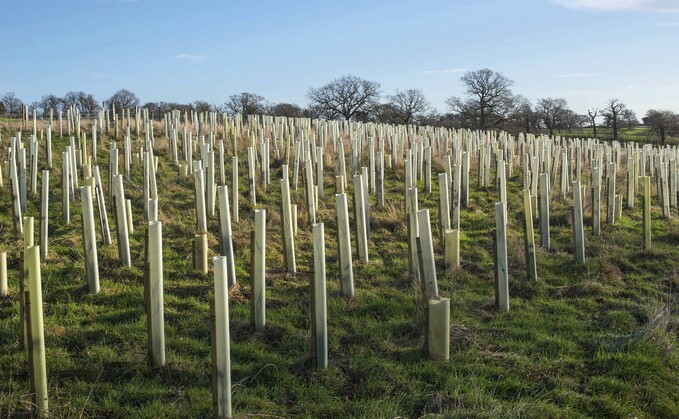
(667, 24)
(577, 75)
(446, 71)
(658, 6)
(194, 58)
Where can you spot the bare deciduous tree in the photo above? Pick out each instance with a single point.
(34, 106)
(612, 113)
(153, 109)
(662, 123)
(312, 112)
(345, 97)
(408, 105)
(72, 100)
(124, 99)
(246, 103)
(386, 113)
(629, 117)
(572, 119)
(593, 114)
(12, 103)
(89, 106)
(523, 116)
(287, 109)
(201, 106)
(83, 102)
(489, 99)
(157, 109)
(49, 101)
(553, 112)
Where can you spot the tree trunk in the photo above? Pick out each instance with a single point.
(615, 129)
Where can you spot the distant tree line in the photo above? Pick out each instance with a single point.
(488, 102)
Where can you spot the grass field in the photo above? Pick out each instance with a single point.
(638, 134)
(598, 339)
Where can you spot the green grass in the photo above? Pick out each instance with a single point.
(638, 134)
(598, 339)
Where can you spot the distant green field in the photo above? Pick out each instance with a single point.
(592, 340)
(638, 134)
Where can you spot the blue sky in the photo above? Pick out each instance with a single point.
(586, 51)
